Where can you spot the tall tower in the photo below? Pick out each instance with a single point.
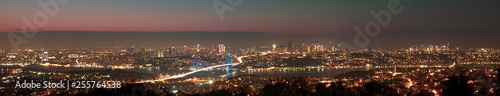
(229, 61)
(274, 47)
(315, 47)
(339, 47)
(318, 42)
(222, 48)
(319, 46)
(198, 48)
(160, 54)
(45, 56)
(170, 53)
(185, 48)
(130, 49)
(448, 46)
(431, 48)
(195, 64)
(308, 49)
(290, 46)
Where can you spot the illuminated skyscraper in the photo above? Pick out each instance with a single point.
(274, 47)
(160, 54)
(308, 49)
(185, 48)
(315, 48)
(130, 49)
(45, 56)
(339, 47)
(222, 48)
(318, 46)
(432, 48)
(447, 46)
(198, 48)
(318, 42)
(321, 48)
(253, 49)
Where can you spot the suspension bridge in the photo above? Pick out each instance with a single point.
(229, 63)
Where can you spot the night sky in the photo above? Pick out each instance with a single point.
(465, 23)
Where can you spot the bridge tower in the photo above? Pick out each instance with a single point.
(229, 61)
(195, 64)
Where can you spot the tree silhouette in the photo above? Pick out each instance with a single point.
(277, 89)
(425, 93)
(293, 87)
(321, 90)
(458, 86)
(335, 89)
(220, 93)
(496, 92)
(377, 89)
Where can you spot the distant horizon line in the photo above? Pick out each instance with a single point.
(160, 47)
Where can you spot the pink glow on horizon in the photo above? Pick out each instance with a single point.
(112, 22)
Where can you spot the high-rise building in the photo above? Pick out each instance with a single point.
(339, 47)
(318, 46)
(448, 44)
(142, 49)
(160, 54)
(170, 51)
(321, 48)
(274, 47)
(45, 56)
(315, 48)
(308, 49)
(198, 48)
(253, 49)
(130, 49)
(214, 48)
(318, 42)
(222, 48)
(185, 48)
(303, 48)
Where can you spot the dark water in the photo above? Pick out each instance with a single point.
(209, 73)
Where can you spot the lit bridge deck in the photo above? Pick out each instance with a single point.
(185, 74)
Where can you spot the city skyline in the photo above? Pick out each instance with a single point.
(237, 40)
(81, 23)
(250, 47)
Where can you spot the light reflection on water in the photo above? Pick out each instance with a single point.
(217, 73)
